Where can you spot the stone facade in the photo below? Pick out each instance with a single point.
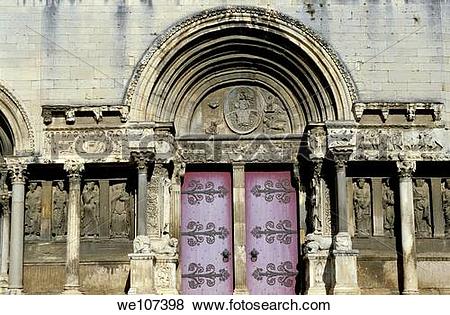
(104, 105)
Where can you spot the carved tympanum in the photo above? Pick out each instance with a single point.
(33, 211)
(90, 210)
(388, 201)
(59, 215)
(361, 205)
(422, 212)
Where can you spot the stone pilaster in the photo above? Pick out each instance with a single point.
(17, 171)
(72, 285)
(5, 221)
(158, 201)
(175, 205)
(240, 260)
(410, 280)
(141, 159)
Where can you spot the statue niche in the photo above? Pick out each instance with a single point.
(446, 206)
(388, 201)
(90, 198)
(240, 110)
(422, 212)
(33, 207)
(59, 213)
(120, 211)
(362, 207)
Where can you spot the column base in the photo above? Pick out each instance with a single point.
(241, 292)
(71, 290)
(345, 272)
(410, 292)
(142, 274)
(317, 273)
(15, 292)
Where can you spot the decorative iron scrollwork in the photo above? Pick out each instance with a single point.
(199, 275)
(280, 190)
(282, 274)
(197, 192)
(282, 232)
(196, 235)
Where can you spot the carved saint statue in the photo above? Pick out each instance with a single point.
(242, 109)
(361, 204)
(59, 218)
(33, 211)
(446, 206)
(90, 210)
(120, 202)
(422, 213)
(388, 206)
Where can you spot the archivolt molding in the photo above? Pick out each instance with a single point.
(16, 115)
(308, 41)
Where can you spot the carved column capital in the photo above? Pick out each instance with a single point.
(141, 159)
(18, 172)
(73, 169)
(406, 168)
(341, 158)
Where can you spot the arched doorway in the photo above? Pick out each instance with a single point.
(240, 86)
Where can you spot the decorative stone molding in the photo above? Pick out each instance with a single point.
(19, 121)
(409, 109)
(70, 112)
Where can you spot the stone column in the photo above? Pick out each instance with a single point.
(17, 229)
(175, 204)
(410, 281)
(4, 203)
(240, 258)
(142, 159)
(72, 285)
(345, 263)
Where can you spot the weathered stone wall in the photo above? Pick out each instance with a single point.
(83, 52)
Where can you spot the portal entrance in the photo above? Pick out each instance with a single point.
(271, 249)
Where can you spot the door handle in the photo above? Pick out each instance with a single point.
(254, 255)
(225, 255)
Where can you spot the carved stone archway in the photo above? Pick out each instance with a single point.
(16, 125)
(240, 46)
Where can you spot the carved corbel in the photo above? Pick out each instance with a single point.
(47, 115)
(124, 112)
(437, 111)
(411, 112)
(358, 110)
(385, 113)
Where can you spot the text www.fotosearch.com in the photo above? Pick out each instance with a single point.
(230, 305)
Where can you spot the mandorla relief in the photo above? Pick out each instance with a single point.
(240, 110)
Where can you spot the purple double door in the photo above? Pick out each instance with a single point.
(207, 228)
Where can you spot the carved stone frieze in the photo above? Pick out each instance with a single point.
(362, 207)
(283, 151)
(387, 144)
(422, 209)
